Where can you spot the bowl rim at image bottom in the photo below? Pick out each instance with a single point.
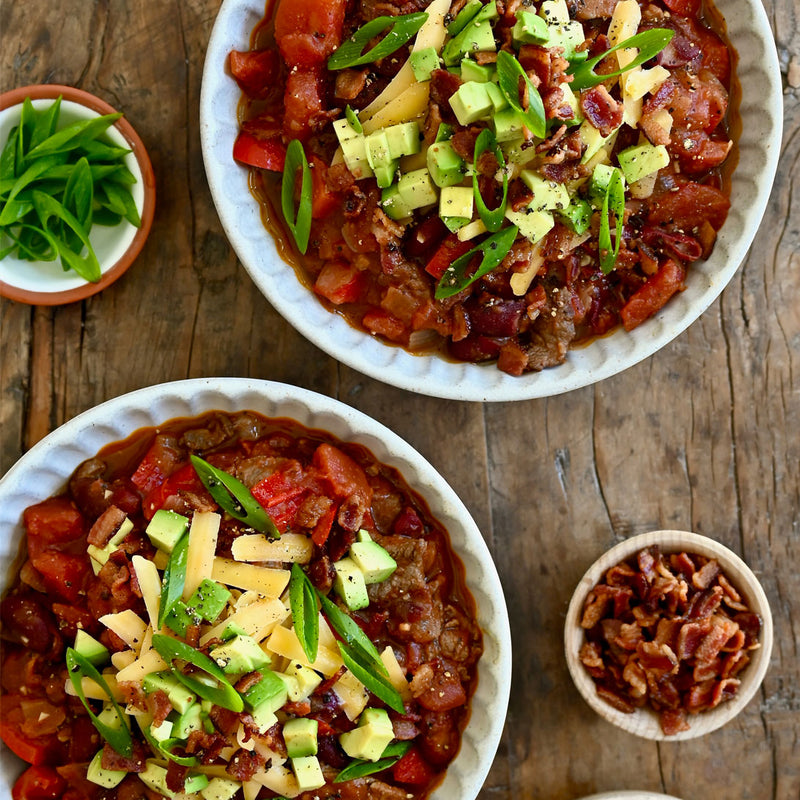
(71, 94)
(52, 460)
(643, 721)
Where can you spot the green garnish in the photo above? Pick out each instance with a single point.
(494, 249)
(360, 768)
(377, 684)
(650, 44)
(350, 52)
(55, 185)
(492, 218)
(613, 200)
(234, 497)
(305, 614)
(164, 748)
(352, 118)
(119, 738)
(352, 634)
(299, 220)
(509, 71)
(223, 695)
(174, 578)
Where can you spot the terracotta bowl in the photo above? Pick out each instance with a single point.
(644, 722)
(45, 282)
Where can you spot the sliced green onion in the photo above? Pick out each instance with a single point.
(377, 684)
(298, 220)
(73, 136)
(174, 578)
(351, 632)
(350, 52)
(613, 200)
(360, 768)
(119, 738)
(494, 250)
(352, 118)
(305, 614)
(234, 497)
(164, 748)
(509, 71)
(650, 44)
(224, 695)
(492, 218)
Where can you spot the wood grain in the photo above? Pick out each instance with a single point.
(703, 436)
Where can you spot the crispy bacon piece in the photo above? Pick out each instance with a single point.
(601, 109)
(244, 764)
(106, 526)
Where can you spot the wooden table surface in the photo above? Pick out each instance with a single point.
(703, 436)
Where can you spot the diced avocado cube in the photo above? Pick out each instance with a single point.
(471, 102)
(477, 36)
(372, 559)
(554, 12)
(470, 71)
(578, 215)
(220, 789)
(350, 584)
(547, 194)
(190, 720)
(370, 738)
(519, 151)
(393, 204)
(383, 165)
(363, 535)
(305, 678)
(455, 208)
(180, 697)
(639, 161)
(308, 773)
(155, 778)
(416, 188)
(181, 617)
(497, 97)
(354, 152)
(444, 132)
(270, 689)
(533, 225)
(90, 648)
(466, 15)
(195, 783)
(599, 181)
(209, 599)
(163, 731)
(300, 735)
(107, 778)
(240, 654)
(231, 630)
(424, 62)
(403, 139)
(507, 125)
(445, 165)
(108, 716)
(592, 139)
(529, 28)
(264, 717)
(344, 130)
(166, 528)
(568, 36)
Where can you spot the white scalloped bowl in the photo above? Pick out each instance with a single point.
(759, 147)
(644, 722)
(45, 469)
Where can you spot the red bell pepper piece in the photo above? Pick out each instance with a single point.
(448, 251)
(323, 527)
(257, 71)
(413, 768)
(263, 153)
(34, 751)
(278, 487)
(38, 783)
(184, 478)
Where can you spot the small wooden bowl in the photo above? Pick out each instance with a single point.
(644, 722)
(45, 282)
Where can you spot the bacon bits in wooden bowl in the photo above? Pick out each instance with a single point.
(668, 635)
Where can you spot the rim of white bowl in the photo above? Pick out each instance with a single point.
(239, 213)
(53, 459)
(644, 722)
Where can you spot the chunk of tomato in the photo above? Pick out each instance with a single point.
(257, 72)
(262, 153)
(183, 479)
(159, 461)
(653, 294)
(64, 574)
(303, 100)
(308, 32)
(34, 751)
(339, 283)
(54, 521)
(279, 487)
(690, 206)
(383, 323)
(413, 768)
(323, 201)
(344, 475)
(447, 252)
(38, 783)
